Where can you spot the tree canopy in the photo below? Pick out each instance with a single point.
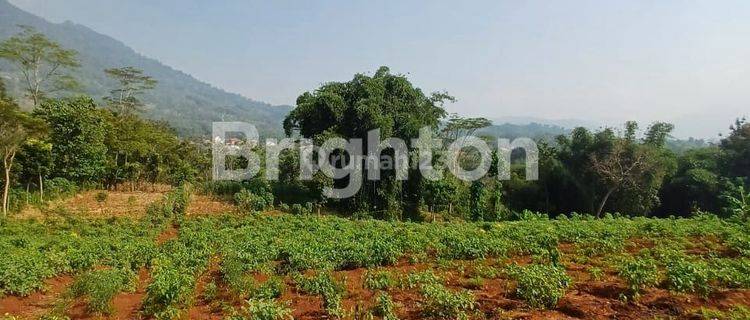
(44, 64)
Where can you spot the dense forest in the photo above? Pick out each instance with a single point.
(74, 142)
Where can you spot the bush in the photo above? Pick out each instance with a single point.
(59, 187)
(170, 288)
(23, 272)
(735, 313)
(298, 209)
(271, 289)
(180, 199)
(284, 207)
(250, 202)
(439, 302)
(540, 285)
(384, 307)
(687, 276)
(221, 188)
(378, 280)
(263, 309)
(101, 197)
(100, 286)
(639, 273)
(173, 205)
(732, 273)
(415, 279)
(325, 285)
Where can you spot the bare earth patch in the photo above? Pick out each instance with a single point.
(118, 203)
(207, 205)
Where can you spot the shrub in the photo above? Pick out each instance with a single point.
(596, 273)
(473, 283)
(23, 272)
(284, 207)
(264, 309)
(180, 199)
(325, 285)
(378, 280)
(384, 307)
(540, 285)
(735, 313)
(210, 291)
(221, 188)
(59, 187)
(688, 276)
(271, 289)
(170, 288)
(101, 197)
(639, 273)
(100, 286)
(439, 302)
(731, 273)
(250, 202)
(420, 278)
(173, 205)
(298, 209)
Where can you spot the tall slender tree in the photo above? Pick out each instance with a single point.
(44, 64)
(132, 83)
(15, 128)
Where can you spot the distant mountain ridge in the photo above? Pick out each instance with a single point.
(188, 104)
(533, 130)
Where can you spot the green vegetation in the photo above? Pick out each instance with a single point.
(442, 303)
(100, 286)
(541, 286)
(263, 309)
(605, 204)
(378, 280)
(302, 247)
(640, 273)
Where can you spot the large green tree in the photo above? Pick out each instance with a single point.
(45, 66)
(695, 185)
(736, 147)
(384, 101)
(77, 130)
(140, 150)
(35, 162)
(617, 173)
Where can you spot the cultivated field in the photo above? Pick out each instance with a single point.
(166, 264)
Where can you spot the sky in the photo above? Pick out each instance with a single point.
(686, 62)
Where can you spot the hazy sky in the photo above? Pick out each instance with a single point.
(682, 61)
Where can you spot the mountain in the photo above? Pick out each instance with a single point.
(188, 104)
(536, 131)
(564, 123)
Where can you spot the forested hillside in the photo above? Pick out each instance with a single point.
(187, 104)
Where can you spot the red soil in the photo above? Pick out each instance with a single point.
(37, 303)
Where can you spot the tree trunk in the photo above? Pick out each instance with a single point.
(6, 188)
(41, 188)
(604, 201)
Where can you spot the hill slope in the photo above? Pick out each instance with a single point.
(186, 103)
